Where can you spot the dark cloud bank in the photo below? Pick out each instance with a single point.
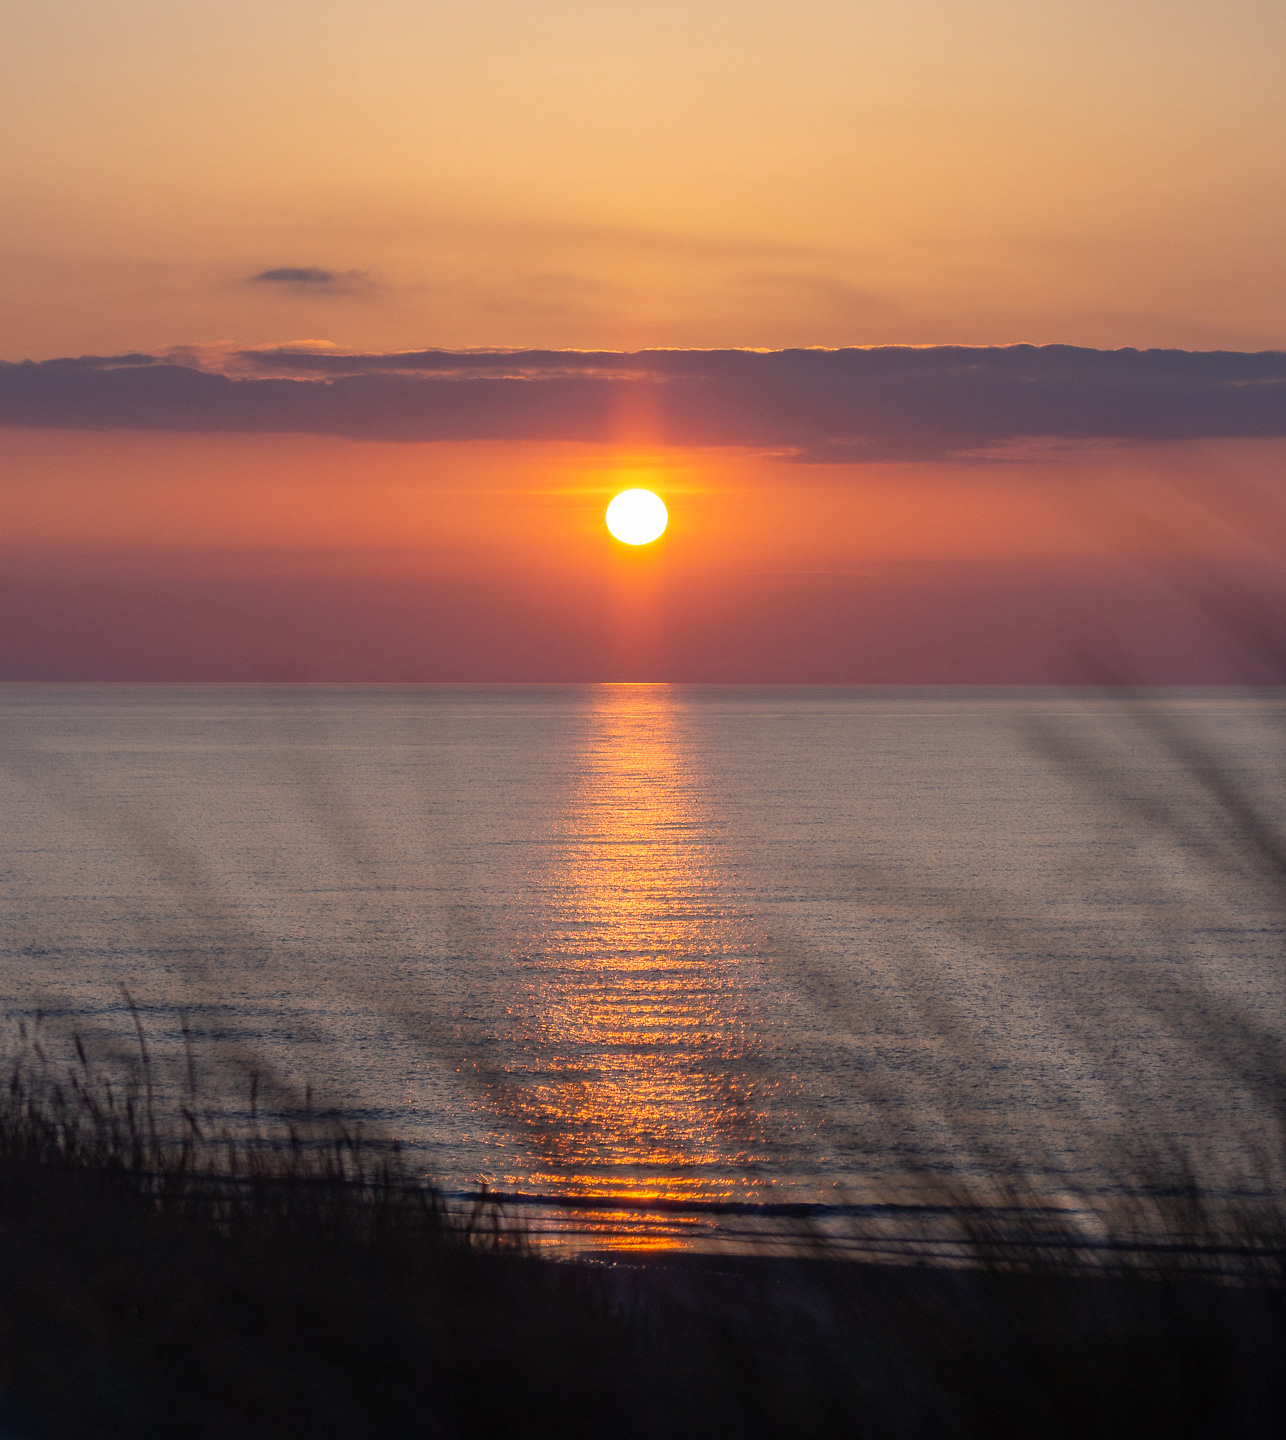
(877, 404)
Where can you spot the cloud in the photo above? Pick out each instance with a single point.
(296, 275)
(309, 277)
(891, 403)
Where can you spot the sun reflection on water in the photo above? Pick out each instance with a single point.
(640, 1073)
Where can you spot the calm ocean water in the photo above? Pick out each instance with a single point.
(628, 940)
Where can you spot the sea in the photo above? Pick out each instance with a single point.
(653, 960)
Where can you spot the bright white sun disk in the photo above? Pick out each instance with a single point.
(637, 517)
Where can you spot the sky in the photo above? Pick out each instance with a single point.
(950, 333)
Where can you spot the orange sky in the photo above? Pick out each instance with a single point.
(681, 173)
(574, 173)
(472, 507)
(290, 557)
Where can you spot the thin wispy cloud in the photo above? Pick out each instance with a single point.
(294, 275)
(310, 278)
(894, 403)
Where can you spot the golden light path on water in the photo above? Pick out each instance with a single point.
(641, 1076)
(650, 943)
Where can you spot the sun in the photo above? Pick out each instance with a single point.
(637, 517)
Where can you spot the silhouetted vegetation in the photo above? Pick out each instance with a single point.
(163, 1276)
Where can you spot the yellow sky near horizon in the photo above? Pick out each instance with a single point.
(579, 174)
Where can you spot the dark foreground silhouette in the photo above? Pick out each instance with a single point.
(200, 1287)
